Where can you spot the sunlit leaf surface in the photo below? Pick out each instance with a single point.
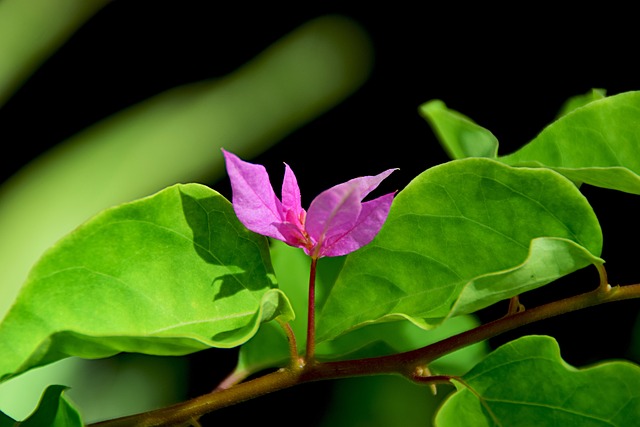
(597, 144)
(594, 140)
(169, 274)
(526, 383)
(462, 236)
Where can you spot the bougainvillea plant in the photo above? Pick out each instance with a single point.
(338, 222)
(185, 270)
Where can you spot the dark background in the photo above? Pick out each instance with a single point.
(508, 70)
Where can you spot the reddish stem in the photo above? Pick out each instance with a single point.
(311, 314)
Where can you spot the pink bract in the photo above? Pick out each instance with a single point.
(338, 221)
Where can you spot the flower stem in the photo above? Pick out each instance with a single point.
(311, 314)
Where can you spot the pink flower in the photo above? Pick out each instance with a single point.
(337, 223)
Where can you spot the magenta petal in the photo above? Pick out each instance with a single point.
(366, 184)
(338, 212)
(254, 200)
(372, 216)
(337, 222)
(291, 200)
(333, 211)
(290, 191)
(293, 214)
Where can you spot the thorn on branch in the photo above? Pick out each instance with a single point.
(422, 374)
(515, 306)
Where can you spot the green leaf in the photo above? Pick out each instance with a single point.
(169, 274)
(580, 101)
(54, 410)
(459, 136)
(597, 144)
(461, 236)
(526, 383)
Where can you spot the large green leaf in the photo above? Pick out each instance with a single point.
(526, 383)
(461, 236)
(597, 144)
(169, 274)
(54, 410)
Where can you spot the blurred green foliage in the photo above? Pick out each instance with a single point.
(174, 136)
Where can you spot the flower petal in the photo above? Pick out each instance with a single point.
(334, 210)
(293, 214)
(291, 200)
(254, 200)
(372, 216)
(338, 212)
(366, 184)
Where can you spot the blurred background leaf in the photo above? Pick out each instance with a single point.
(174, 136)
(30, 31)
